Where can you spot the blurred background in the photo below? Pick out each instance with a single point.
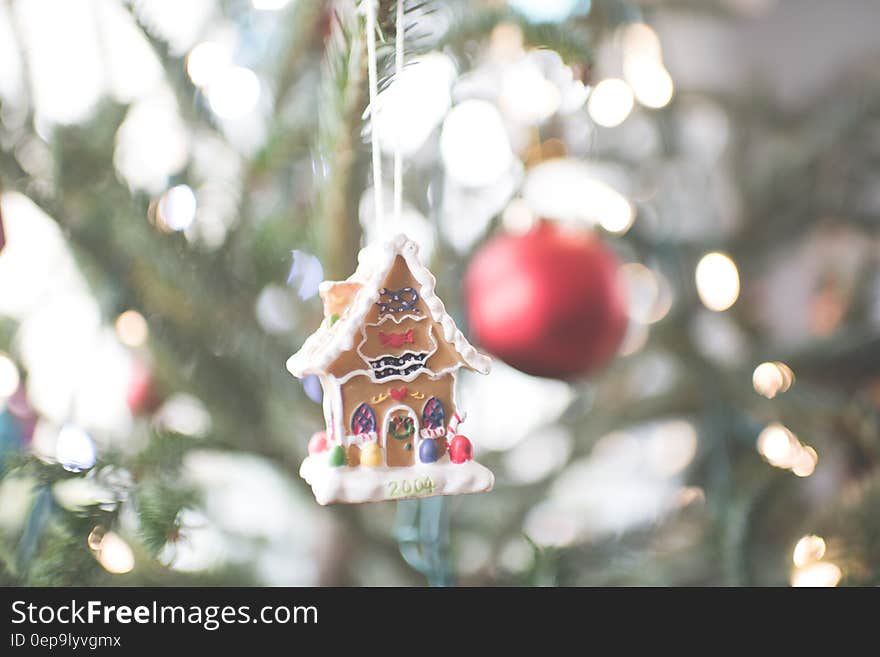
(177, 177)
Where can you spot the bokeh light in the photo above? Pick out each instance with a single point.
(778, 445)
(527, 95)
(808, 549)
(183, 414)
(771, 378)
(152, 143)
(781, 448)
(234, 93)
(805, 461)
(206, 62)
(819, 574)
(9, 377)
(717, 281)
(640, 40)
(570, 190)
(651, 83)
(610, 102)
(74, 449)
(131, 328)
(177, 208)
(643, 66)
(113, 553)
(474, 144)
(414, 104)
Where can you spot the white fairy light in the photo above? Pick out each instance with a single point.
(114, 554)
(651, 83)
(643, 66)
(640, 40)
(234, 93)
(805, 462)
(64, 58)
(74, 449)
(778, 445)
(671, 447)
(474, 144)
(717, 281)
(614, 212)
(527, 95)
(818, 574)
(412, 106)
(152, 143)
(570, 190)
(206, 62)
(771, 378)
(131, 328)
(610, 102)
(9, 378)
(177, 208)
(808, 549)
(185, 415)
(782, 449)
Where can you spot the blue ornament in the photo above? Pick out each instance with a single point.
(312, 386)
(428, 452)
(306, 273)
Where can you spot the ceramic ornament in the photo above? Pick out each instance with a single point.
(387, 354)
(570, 315)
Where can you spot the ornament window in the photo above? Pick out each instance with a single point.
(363, 420)
(433, 414)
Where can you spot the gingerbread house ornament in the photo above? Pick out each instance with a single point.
(387, 354)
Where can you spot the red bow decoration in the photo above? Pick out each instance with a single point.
(396, 339)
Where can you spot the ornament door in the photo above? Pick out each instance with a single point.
(400, 435)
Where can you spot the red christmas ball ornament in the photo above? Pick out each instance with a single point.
(547, 302)
(141, 395)
(460, 449)
(318, 443)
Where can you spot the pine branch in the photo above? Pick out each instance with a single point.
(342, 99)
(573, 43)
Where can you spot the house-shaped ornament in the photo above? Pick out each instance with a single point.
(387, 354)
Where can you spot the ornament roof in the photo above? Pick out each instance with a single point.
(332, 339)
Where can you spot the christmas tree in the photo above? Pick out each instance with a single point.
(178, 178)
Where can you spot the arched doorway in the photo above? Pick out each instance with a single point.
(400, 436)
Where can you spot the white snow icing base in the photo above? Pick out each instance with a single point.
(375, 484)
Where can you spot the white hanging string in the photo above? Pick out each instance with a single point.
(370, 10)
(398, 154)
(376, 142)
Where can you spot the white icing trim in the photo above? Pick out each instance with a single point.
(398, 320)
(339, 420)
(327, 392)
(409, 378)
(329, 342)
(367, 360)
